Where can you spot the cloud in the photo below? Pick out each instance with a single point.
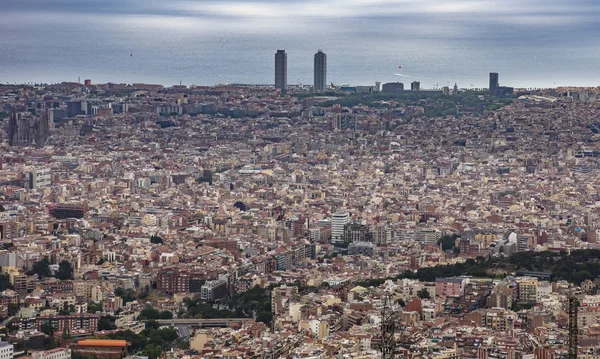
(273, 14)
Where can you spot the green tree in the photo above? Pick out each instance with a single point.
(128, 295)
(152, 324)
(42, 268)
(168, 334)
(165, 314)
(49, 343)
(447, 242)
(423, 294)
(156, 240)
(5, 282)
(264, 317)
(65, 270)
(152, 351)
(93, 307)
(149, 313)
(106, 323)
(47, 329)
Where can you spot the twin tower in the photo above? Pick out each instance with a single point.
(320, 71)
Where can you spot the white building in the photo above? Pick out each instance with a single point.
(338, 221)
(39, 178)
(57, 353)
(7, 350)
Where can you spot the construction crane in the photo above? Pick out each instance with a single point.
(573, 331)
(388, 328)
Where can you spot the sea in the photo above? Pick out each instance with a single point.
(216, 42)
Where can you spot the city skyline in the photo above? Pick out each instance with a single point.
(420, 180)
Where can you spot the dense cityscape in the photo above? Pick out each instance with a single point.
(295, 221)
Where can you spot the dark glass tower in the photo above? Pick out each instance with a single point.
(320, 71)
(493, 84)
(281, 70)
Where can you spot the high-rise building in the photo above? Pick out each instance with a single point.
(493, 83)
(74, 108)
(338, 222)
(320, 71)
(281, 70)
(415, 86)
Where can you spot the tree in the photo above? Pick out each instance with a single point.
(240, 205)
(149, 313)
(447, 242)
(165, 314)
(106, 323)
(94, 307)
(145, 292)
(152, 324)
(152, 351)
(128, 295)
(65, 270)
(5, 282)
(47, 329)
(42, 268)
(156, 240)
(264, 317)
(423, 294)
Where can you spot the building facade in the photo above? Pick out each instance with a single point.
(493, 84)
(338, 223)
(320, 71)
(57, 353)
(281, 70)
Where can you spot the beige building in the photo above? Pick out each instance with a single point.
(528, 290)
(485, 239)
(500, 319)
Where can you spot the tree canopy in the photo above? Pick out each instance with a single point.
(156, 240)
(42, 268)
(65, 270)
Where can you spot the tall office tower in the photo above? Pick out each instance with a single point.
(415, 86)
(338, 222)
(281, 70)
(493, 84)
(320, 71)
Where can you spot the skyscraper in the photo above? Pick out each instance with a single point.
(320, 71)
(338, 221)
(493, 84)
(281, 70)
(415, 86)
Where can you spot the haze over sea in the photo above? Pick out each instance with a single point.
(531, 43)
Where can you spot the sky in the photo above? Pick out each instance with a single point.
(544, 37)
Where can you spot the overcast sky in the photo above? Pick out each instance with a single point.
(517, 12)
(541, 38)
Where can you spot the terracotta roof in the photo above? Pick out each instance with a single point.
(102, 343)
